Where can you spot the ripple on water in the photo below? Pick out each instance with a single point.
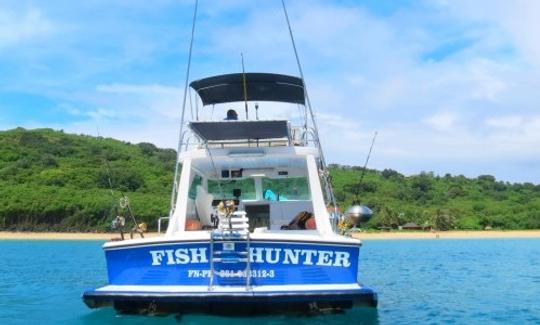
(418, 281)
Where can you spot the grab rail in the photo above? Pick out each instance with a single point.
(159, 223)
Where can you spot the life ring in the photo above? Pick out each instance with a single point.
(124, 202)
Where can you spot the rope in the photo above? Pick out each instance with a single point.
(329, 190)
(180, 136)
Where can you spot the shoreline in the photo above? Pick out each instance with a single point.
(451, 234)
(28, 235)
(401, 235)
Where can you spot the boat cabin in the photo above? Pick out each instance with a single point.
(268, 168)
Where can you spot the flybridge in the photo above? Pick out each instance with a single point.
(262, 255)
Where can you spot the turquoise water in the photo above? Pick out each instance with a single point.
(419, 281)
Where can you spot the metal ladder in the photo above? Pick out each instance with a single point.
(230, 231)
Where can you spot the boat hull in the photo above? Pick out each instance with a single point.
(281, 274)
(230, 300)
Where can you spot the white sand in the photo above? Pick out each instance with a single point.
(359, 235)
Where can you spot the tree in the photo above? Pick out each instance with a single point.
(443, 220)
(389, 173)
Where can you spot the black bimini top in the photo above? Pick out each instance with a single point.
(260, 87)
(240, 130)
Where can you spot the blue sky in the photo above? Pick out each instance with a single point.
(451, 86)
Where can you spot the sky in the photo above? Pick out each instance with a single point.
(450, 86)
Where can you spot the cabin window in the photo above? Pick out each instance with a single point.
(286, 189)
(224, 189)
(197, 180)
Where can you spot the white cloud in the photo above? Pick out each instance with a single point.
(443, 121)
(135, 113)
(102, 114)
(484, 73)
(517, 20)
(365, 73)
(16, 28)
(139, 90)
(505, 122)
(144, 101)
(470, 108)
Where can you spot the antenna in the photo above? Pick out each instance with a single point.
(245, 85)
(364, 170)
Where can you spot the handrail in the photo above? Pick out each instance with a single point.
(212, 271)
(159, 223)
(248, 263)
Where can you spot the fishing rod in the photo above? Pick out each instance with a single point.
(245, 86)
(124, 200)
(364, 170)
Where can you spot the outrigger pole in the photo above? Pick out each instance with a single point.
(181, 135)
(328, 186)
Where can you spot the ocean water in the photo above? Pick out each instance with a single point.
(486, 281)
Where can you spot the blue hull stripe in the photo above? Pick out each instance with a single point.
(272, 263)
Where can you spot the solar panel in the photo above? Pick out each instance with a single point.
(240, 130)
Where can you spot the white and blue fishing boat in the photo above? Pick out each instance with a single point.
(251, 223)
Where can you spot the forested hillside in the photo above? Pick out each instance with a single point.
(50, 180)
(444, 203)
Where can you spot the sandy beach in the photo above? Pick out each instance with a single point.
(458, 234)
(7, 235)
(4, 235)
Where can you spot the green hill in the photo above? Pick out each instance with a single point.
(444, 203)
(50, 180)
